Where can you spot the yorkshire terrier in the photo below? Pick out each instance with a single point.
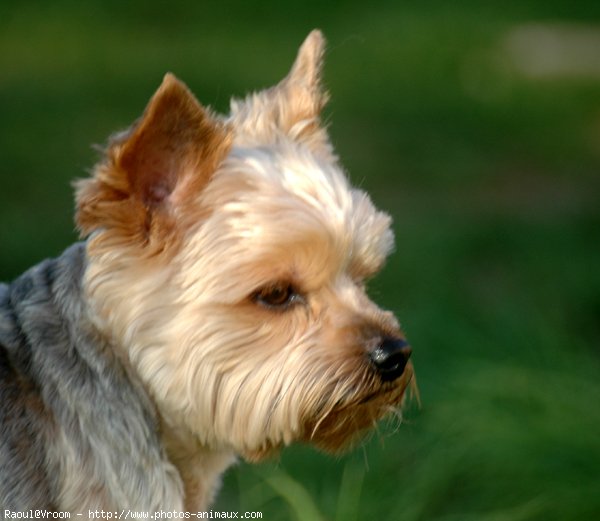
(216, 309)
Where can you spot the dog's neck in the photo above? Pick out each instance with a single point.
(199, 467)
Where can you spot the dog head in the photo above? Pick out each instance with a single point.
(227, 261)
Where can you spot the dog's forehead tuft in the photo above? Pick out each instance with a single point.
(286, 191)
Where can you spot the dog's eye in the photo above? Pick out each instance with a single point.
(280, 295)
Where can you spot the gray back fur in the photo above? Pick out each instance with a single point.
(76, 431)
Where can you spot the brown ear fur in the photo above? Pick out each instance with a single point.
(303, 86)
(167, 157)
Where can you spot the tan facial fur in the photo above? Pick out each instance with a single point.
(191, 216)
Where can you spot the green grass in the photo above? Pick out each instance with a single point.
(493, 180)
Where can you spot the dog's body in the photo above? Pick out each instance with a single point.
(216, 310)
(77, 432)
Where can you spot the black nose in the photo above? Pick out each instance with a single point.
(390, 357)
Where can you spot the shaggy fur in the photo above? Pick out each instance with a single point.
(217, 309)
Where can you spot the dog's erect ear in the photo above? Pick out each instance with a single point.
(164, 160)
(302, 88)
(291, 107)
(176, 137)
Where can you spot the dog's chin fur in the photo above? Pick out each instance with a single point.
(190, 215)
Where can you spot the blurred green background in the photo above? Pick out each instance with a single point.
(476, 125)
